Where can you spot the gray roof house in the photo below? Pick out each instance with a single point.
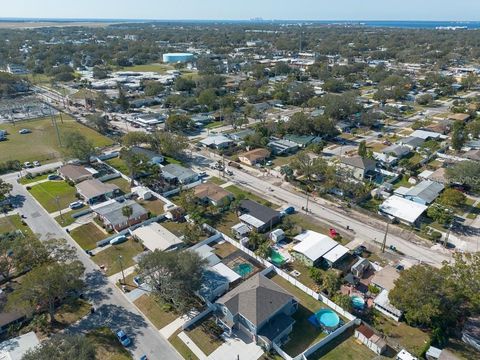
(112, 216)
(425, 192)
(398, 151)
(217, 142)
(258, 216)
(259, 307)
(412, 142)
(95, 191)
(240, 135)
(152, 156)
(302, 140)
(361, 167)
(182, 174)
(282, 147)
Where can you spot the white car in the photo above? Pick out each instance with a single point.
(76, 205)
(27, 164)
(24, 131)
(36, 163)
(118, 240)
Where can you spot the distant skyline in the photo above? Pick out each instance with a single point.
(428, 10)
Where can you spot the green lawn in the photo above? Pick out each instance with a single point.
(224, 249)
(282, 160)
(118, 164)
(344, 347)
(236, 191)
(226, 221)
(70, 313)
(67, 218)
(13, 222)
(25, 181)
(42, 143)
(123, 184)
(175, 228)
(155, 206)
(308, 223)
(110, 256)
(181, 347)
(47, 193)
(171, 160)
(107, 345)
(199, 335)
(87, 235)
(154, 311)
(214, 125)
(216, 180)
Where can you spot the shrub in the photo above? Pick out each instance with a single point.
(373, 289)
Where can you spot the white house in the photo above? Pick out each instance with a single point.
(406, 211)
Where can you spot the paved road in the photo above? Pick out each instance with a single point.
(113, 309)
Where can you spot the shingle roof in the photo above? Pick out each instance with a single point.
(211, 191)
(74, 172)
(258, 211)
(426, 190)
(256, 299)
(359, 162)
(178, 171)
(256, 154)
(112, 211)
(94, 188)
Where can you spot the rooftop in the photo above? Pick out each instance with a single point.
(402, 209)
(93, 188)
(359, 162)
(258, 211)
(112, 211)
(154, 236)
(211, 191)
(426, 190)
(256, 154)
(75, 172)
(385, 278)
(314, 245)
(16, 348)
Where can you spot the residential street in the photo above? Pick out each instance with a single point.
(113, 309)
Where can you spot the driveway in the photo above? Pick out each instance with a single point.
(240, 346)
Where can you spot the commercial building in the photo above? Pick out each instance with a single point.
(177, 57)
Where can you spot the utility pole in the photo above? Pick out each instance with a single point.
(54, 121)
(385, 238)
(120, 258)
(445, 243)
(57, 200)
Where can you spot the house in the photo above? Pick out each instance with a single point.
(152, 156)
(412, 142)
(76, 173)
(179, 173)
(277, 235)
(257, 216)
(382, 304)
(94, 191)
(425, 192)
(403, 210)
(213, 194)
(427, 135)
(155, 237)
(240, 230)
(385, 278)
(111, 214)
(302, 141)
(282, 147)
(217, 142)
(16, 348)
(359, 166)
(398, 151)
(260, 308)
(367, 336)
(253, 157)
(241, 135)
(9, 318)
(217, 278)
(471, 332)
(459, 117)
(405, 355)
(313, 248)
(360, 267)
(472, 155)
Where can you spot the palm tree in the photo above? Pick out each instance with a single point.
(127, 211)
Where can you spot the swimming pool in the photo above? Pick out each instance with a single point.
(243, 269)
(277, 258)
(328, 318)
(357, 302)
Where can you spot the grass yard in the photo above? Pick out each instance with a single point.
(216, 180)
(224, 249)
(408, 337)
(154, 205)
(376, 146)
(70, 313)
(87, 235)
(110, 256)
(181, 347)
(47, 193)
(304, 271)
(25, 181)
(175, 228)
(199, 335)
(107, 346)
(308, 223)
(344, 347)
(171, 160)
(462, 350)
(13, 222)
(123, 184)
(282, 160)
(118, 164)
(214, 125)
(68, 219)
(236, 191)
(42, 141)
(226, 221)
(154, 311)
(403, 181)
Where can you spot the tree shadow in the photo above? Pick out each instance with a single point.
(97, 290)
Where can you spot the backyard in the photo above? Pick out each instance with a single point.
(107, 346)
(54, 195)
(87, 235)
(155, 311)
(344, 347)
(118, 164)
(110, 257)
(154, 205)
(123, 184)
(200, 336)
(42, 141)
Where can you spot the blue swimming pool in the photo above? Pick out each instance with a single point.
(358, 302)
(328, 318)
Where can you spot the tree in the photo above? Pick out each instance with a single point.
(127, 211)
(173, 276)
(122, 99)
(5, 190)
(458, 136)
(62, 347)
(470, 81)
(44, 286)
(192, 234)
(179, 123)
(343, 301)
(473, 128)
(136, 163)
(425, 100)
(264, 250)
(452, 198)
(440, 214)
(208, 98)
(99, 122)
(153, 88)
(135, 138)
(99, 72)
(362, 149)
(78, 146)
(465, 172)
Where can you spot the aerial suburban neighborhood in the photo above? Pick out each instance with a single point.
(297, 190)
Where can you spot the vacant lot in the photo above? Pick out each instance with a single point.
(107, 345)
(123, 184)
(54, 195)
(87, 236)
(110, 257)
(42, 142)
(155, 311)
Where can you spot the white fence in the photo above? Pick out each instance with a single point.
(198, 317)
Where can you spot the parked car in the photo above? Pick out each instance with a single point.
(75, 205)
(53, 177)
(359, 250)
(137, 280)
(289, 210)
(202, 174)
(229, 172)
(36, 163)
(234, 165)
(123, 338)
(27, 164)
(118, 240)
(24, 131)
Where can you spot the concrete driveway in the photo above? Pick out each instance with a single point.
(239, 346)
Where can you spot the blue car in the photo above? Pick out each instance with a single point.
(123, 338)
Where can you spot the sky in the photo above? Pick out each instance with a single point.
(455, 10)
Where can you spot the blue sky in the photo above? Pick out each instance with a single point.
(246, 9)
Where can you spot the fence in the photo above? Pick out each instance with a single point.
(109, 177)
(198, 317)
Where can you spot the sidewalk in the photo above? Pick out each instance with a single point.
(192, 346)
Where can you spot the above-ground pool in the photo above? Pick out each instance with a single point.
(243, 269)
(358, 302)
(327, 318)
(277, 258)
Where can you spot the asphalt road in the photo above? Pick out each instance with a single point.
(113, 308)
